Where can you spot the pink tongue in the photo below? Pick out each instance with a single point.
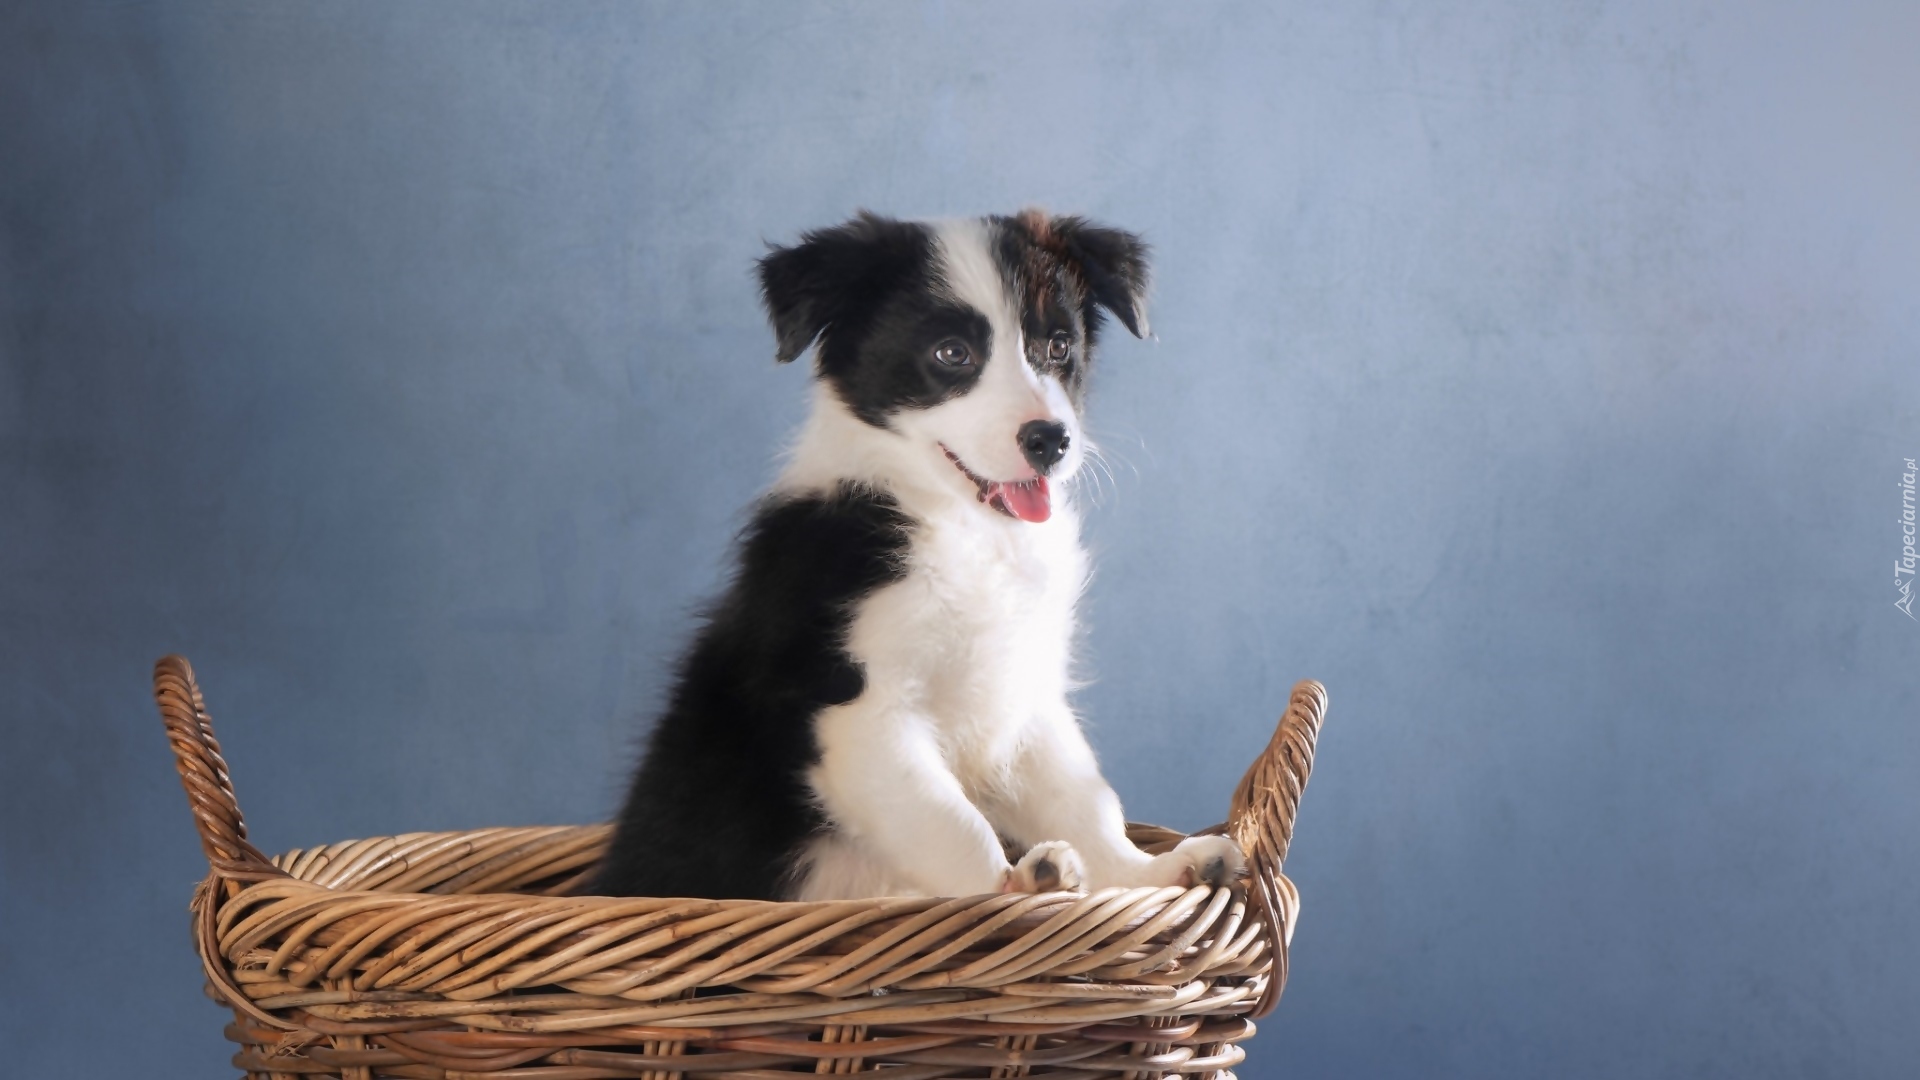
(1028, 501)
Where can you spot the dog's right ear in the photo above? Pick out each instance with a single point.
(811, 286)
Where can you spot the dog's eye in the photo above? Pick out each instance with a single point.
(1060, 346)
(952, 354)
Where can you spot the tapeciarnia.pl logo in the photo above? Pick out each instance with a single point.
(1904, 565)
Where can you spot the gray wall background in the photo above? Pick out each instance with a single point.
(1537, 376)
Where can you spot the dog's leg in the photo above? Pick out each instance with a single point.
(1055, 791)
(883, 783)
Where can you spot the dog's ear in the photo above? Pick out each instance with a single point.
(810, 286)
(1113, 263)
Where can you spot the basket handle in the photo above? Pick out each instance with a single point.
(203, 772)
(1262, 816)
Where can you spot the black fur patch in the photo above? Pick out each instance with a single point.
(720, 806)
(866, 290)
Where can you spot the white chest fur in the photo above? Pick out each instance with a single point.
(975, 640)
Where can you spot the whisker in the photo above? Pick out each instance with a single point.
(1100, 472)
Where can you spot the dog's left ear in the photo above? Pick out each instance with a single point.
(1113, 262)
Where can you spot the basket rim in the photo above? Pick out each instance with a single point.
(359, 857)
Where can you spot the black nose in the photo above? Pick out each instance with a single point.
(1044, 442)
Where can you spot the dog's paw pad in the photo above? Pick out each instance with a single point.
(1050, 867)
(1214, 861)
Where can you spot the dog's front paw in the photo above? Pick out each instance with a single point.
(1207, 860)
(1049, 867)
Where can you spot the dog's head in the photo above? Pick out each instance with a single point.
(970, 340)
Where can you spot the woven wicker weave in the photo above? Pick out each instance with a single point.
(460, 954)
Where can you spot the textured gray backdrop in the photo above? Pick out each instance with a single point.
(1537, 376)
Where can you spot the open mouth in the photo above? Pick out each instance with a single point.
(1027, 500)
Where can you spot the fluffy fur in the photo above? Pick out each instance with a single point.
(879, 703)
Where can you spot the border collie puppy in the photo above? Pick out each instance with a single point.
(879, 704)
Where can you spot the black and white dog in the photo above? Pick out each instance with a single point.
(878, 705)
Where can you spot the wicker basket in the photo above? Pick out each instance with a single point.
(461, 954)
